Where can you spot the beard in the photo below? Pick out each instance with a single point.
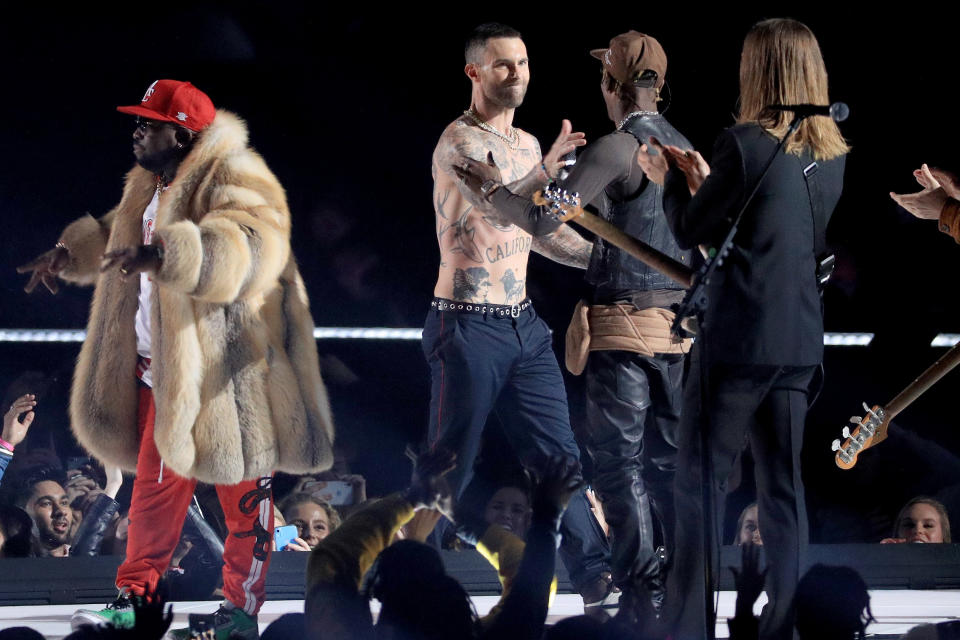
(157, 161)
(507, 96)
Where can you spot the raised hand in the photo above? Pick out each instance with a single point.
(428, 489)
(567, 141)
(45, 267)
(474, 173)
(558, 480)
(15, 427)
(132, 260)
(749, 579)
(152, 614)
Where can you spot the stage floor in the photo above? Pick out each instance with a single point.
(896, 611)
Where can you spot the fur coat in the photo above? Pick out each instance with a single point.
(236, 378)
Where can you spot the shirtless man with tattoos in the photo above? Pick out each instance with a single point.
(486, 347)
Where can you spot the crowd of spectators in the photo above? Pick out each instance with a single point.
(58, 507)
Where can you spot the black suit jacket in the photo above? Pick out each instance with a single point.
(764, 307)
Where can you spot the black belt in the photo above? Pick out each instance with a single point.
(498, 310)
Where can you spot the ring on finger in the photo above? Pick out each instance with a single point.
(124, 270)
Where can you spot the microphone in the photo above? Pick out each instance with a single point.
(838, 111)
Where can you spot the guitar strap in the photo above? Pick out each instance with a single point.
(824, 260)
(817, 208)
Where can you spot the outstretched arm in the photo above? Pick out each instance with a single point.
(565, 246)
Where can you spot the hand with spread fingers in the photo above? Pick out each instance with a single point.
(557, 481)
(18, 418)
(132, 260)
(44, 268)
(474, 173)
(566, 141)
(428, 489)
(928, 203)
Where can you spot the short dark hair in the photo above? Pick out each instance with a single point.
(24, 482)
(477, 39)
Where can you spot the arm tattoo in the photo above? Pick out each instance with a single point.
(565, 246)
(534, 180)
(512, 287)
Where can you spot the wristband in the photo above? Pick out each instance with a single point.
(6, 445)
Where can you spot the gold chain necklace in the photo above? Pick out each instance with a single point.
(512, 141)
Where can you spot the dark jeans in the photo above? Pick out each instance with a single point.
(768, 405)
(482, 363)
(633, 415)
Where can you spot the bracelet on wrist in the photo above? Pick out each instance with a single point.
(6, 445)
(543, 167)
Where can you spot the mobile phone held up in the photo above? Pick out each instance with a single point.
(284, 535)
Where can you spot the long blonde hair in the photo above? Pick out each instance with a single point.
(781, 64)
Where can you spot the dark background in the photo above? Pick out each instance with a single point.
(346, 110)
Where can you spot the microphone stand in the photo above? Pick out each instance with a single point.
(695, 304)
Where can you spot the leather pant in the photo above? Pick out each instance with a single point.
(633, 413)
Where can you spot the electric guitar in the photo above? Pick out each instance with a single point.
(871, 429)
(566, 207)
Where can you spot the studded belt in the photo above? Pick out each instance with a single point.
(496, 310)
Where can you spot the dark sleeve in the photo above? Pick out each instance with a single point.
(524, 609)
(701, 219)
(606, 161)
(90, 534)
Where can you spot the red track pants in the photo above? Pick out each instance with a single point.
(157, 511)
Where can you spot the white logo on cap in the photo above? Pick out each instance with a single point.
(181, 116)
(149, 92)
(606, 58)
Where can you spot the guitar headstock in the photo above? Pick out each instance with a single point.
(562, 204)
(871, 429)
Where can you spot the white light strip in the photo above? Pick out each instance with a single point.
(390, 333)
(847, 339)
(321, 333)
(366, 333)
(946, 340)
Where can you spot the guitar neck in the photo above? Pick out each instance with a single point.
(673, 269)
(924, 381)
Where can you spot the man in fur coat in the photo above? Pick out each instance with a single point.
(200, 361)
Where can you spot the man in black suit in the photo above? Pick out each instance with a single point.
(762, 334)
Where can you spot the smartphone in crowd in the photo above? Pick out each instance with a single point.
(335, 492)
(284, 535)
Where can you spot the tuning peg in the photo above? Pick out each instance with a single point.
(835, 446)
(846, 432)
(855, 419)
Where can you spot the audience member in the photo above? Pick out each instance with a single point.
(831, 603)
(748, 527)
(509, 507)
(313, 517)
(41, 494)
(922, 519)
(418, 599)
(15, 532)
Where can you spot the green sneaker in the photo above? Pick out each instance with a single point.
(119, 614)
(232, 624)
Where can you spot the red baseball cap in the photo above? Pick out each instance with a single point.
(175, 101)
